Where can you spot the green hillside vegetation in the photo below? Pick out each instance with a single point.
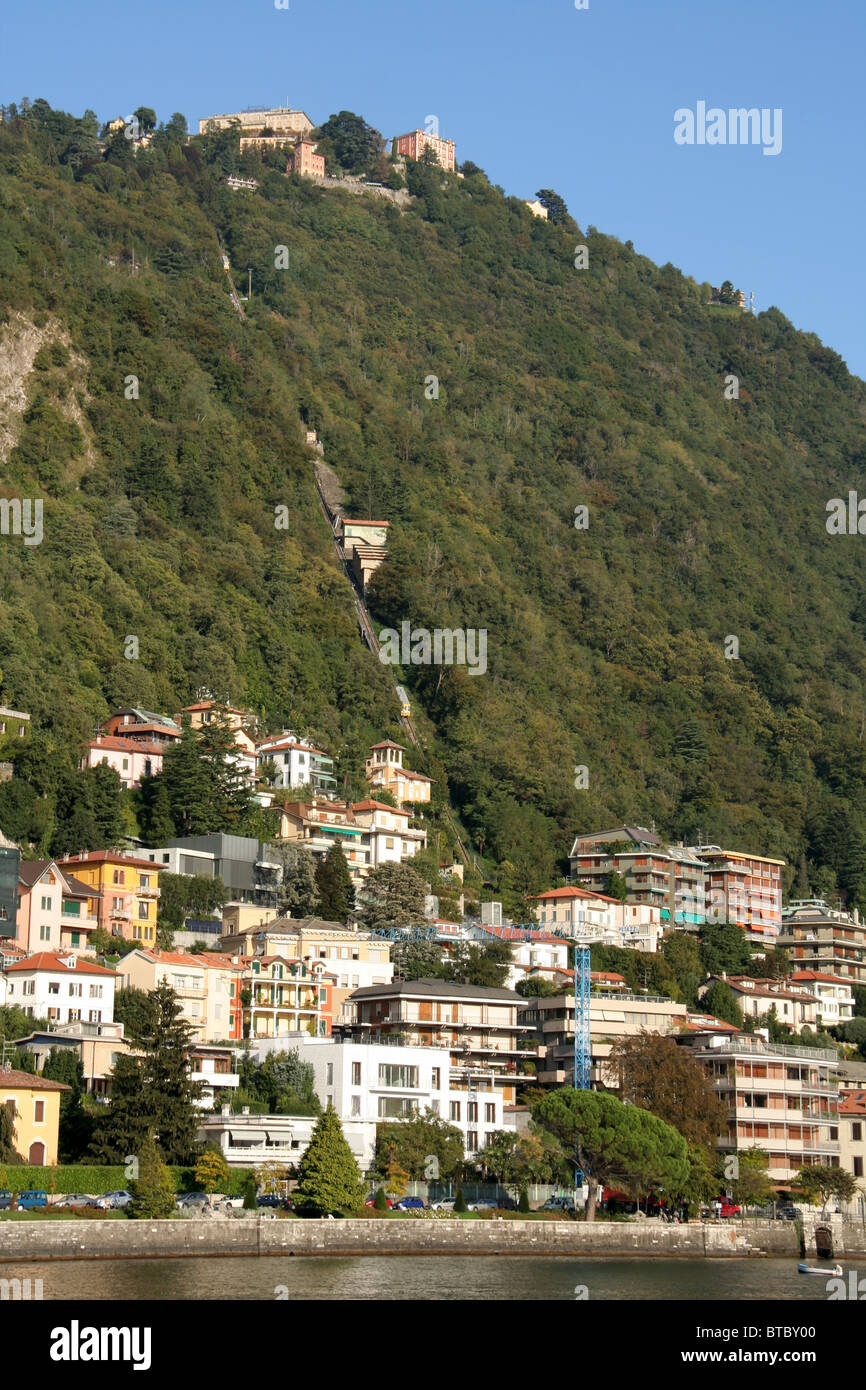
(558, 387)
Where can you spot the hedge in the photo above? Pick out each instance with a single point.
(98, 1178)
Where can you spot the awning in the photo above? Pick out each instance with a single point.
(248, 1136)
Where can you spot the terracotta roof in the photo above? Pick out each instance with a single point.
(22, 1080)
(54, 960)
(820, 975)
(852, 1103)
(558, 893)
(276, 742)
(358, 521)
(378, 806)
(387, 743)
(108, 856)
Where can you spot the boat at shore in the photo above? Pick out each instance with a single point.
(836, 1271)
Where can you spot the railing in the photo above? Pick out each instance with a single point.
(757, 1045)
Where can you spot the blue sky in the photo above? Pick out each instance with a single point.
(540, 95)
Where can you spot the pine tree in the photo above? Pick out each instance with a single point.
(157, 823)
(168, 1090)
(153, 1189)
(334, 882)
(329, 1179)
(393, 897)
(123, 1128)
(76, 1125)
(106, 798)
(218, 750)
(8, 1152)
(188, 785)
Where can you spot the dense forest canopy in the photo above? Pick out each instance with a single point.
(559, 387)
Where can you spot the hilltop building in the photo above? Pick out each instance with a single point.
(413, 145)
(255, 120)
(297, 762)
(304, 160)
(384, 768)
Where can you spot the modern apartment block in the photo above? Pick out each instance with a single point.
(10, 861)
(394, 1082)
(819, 937)
(413, 145)
(781, 1099)
(613, 1013)
(835, 995)
(478, 1025)
(746, 889)
(671, 880)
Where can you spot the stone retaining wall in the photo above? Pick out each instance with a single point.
(84, 1239)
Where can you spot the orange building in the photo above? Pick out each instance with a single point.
(126, 891)
(304, 160)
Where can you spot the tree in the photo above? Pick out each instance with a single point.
(460, 1206)
(211, 1170)
(655, 1073)
(418, 960)
(719, 1002)
(380, 1201)
(393, 897)
(187, 785)
(146, 117)
(682, 956)
(76, 1125)
(297, 893)
(615, 886)
(727, 294)
(820, 1182)
(135, 1010)
(537, 986)
(482, 965)
(724, 948)
(286, 1084)
(415, 1141)
(123, 1127)
(557, 212)
(618, 1144)
(169, 1092)
(355, 143)
(8, 1152)
(153, 1190)
(752, 1186)
(397, 1183)
(334, 882)
(328, 1178)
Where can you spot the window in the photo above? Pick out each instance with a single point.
(74, 1015)
(53, 987)
(142, 911)
(406, 1078)
(330, 1080)
(834, 1133)
(39, 1112)
(472, 1111)
(117, 904)
(472, 1140)
(434, 1106)
(858, 1167)
(95, 1016)
(356, 1106)
(44, 933)
(857, 1132)
(96, 991)
(74, 989)
(76, 938)
(46, 904)
(490, 1115)
(455, 1110)
(144, 881)
(356, 1073)
(119, 876)
(396, 1107)
(389, 844)
(29, 987)
(436, 1081)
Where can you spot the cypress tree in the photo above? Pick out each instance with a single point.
(188, 785)
(328, 1178)
(153, 1189)
(336, 890)
(169, 1092)
(123, 1128)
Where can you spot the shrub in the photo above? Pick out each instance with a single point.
(381, 1202)
(459, 1201)
(523, 1203)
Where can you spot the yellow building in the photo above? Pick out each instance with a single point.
(128, 890)
(35, 1105)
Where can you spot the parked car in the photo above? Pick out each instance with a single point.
(411, 1204)
(558, 1204)
(33, 1197)
(266, 1199)
(444, 1204)
(728, 1210)
(75, 1201)
(5, 1199)
(371, 1201)
(788, 1212)
(192, 1201)
(484, 1204)
(118, 1199)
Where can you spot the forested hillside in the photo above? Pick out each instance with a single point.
(558, 387)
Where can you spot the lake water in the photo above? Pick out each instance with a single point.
(424, 1278)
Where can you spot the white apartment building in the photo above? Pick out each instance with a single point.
(835, 995)
(576, 912)
(62, 987)
(250, 1140)
(297, 763)
(795, 1005)
(379, 1082)
(532, 953)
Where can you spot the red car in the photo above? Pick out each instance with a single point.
(371, 1202)
(729, 1209)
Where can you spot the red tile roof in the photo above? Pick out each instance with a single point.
(108, 856)
(852, 1103)
(54, 960)
(558, 893)
(378, 806)
(387, 743)
(24, 1081)
(125, 745)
